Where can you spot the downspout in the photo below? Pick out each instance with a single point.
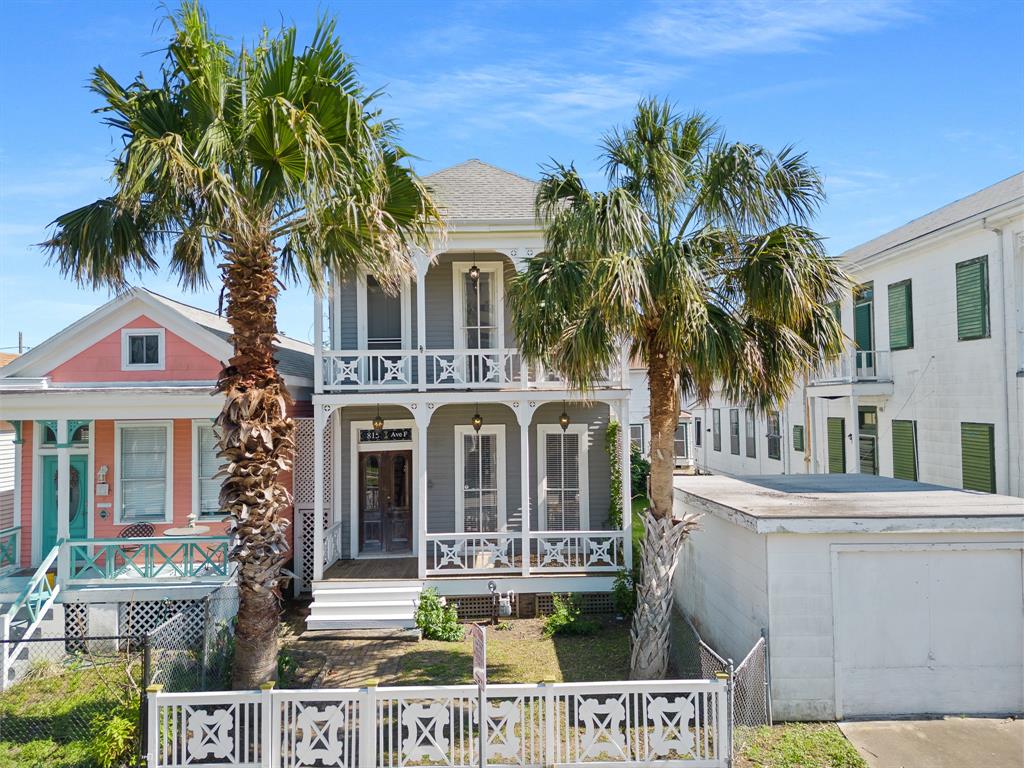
(1005, 345)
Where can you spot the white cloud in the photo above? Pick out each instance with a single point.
(692, 29)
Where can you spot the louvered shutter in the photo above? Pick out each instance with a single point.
(798, 437)
(562, 481)
(143, 472)
(977, 448)
(901, 316)
(904, 449)
(836, 429)
(972, 299)
(208, 465)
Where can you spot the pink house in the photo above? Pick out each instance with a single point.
(115, 454)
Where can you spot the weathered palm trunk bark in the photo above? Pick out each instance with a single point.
(256, 440)
(663, 534)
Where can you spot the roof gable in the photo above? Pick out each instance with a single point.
(477, 191)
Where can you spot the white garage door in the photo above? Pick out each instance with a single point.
(929, 630)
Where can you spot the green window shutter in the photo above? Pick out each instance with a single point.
(978, 454)
(904, 449)
(836, 428)
(901, 318)
(836, 310)
(798, 437)
(972, 299)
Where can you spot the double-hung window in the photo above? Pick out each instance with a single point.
(716, 429)
(142, 349)
(481, 467)
(751, 435)
(144, 471)
(734, 431)
(774, 435)
(206, 464)
(698, 437)
(636, 436)
(563, 474)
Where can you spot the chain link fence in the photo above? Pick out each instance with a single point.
(65, 699)
(692, 658)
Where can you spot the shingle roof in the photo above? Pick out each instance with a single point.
(1000, 193)
(294, 357)
(476, 191)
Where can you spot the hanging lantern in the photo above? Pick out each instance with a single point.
(477, 421)
(474, 273)
(378, 422)
(563, 421)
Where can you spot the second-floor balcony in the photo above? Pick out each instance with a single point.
(862, 371)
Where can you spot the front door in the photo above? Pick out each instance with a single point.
(78, 525)
(385, 501)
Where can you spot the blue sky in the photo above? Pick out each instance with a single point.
(904, 106)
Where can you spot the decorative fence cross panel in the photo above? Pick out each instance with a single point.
(661, 723)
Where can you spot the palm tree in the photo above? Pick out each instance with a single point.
(699, 258)
(272, 163)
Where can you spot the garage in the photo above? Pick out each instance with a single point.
(879, 597)
(934, 628)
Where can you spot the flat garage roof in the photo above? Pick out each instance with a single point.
(850, 503)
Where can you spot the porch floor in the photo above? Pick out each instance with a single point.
(365, 569)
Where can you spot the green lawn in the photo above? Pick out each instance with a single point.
(798, 745)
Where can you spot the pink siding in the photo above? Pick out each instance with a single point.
(102, 361)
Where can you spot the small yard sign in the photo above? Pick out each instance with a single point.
(478, 633)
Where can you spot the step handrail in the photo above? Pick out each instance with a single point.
(38, 597)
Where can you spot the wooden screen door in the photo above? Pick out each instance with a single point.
(385, 501)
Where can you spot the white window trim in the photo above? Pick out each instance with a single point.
(362, 308)
(497, 271)
(169, 504)
(126, 333)
(542, 472)
(196, 424)
(461, 430)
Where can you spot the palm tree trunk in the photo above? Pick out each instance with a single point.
(663, 535)
(256, 440)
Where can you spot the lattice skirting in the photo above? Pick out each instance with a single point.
(593, 602)
(135, 619)
(76, 626)
(526, 606)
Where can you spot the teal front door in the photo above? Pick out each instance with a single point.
(78, 525)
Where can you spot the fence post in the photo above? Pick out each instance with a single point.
(5, 637)
(207, 601)
(767, 678)
(269, 740)
(367, 725)
(550, 717)
(151, 733)
(147, 661)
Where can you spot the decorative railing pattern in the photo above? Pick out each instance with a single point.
(360, 368)
(559, 551)
(859, 365)
(144, 559)
(25, 615)
(485, 368)
(629, 724)
(10, 549)
(465, 553)
(332, 544)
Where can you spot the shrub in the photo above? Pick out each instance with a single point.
(567, 618)
(436, 619)
(624, 593)
(115, 736)
(640, 469)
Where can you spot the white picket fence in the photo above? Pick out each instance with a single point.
(628, 724)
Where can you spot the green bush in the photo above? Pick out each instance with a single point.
(436, 619)
(624, 593)
(640, 469)
(115, 736)
(567, 618)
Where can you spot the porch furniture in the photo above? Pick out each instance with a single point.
(199, 530)
(134, 531)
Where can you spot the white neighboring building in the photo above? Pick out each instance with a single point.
(932, 388)
(640, 419)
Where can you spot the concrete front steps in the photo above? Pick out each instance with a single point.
(370, 604)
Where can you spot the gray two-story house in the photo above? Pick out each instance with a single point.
(441, 456)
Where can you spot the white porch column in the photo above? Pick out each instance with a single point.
(321, 417)
(627, 491)
(853, 459)
(18, 459)
(63, 495)
(318, 346)
(422, 261)
(422, 415)
(524, 415)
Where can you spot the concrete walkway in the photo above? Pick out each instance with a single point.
(952, 742)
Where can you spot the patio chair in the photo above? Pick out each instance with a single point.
(133, 531)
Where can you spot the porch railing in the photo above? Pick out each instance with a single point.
(10, 549)
(453, 554)
(25, 615)
(629, 724)
(333, 543)
(102, 561)
(859, 365)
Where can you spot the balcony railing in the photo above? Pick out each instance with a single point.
(117, 561)
(10, 547)
(459, 554)
(436, 369)
(861, 365)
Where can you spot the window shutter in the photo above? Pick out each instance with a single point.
(972, 299)
(798, 437)
(209, 465)
(836, 428)
(901, 316)
(977, 448)
(904, 449)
